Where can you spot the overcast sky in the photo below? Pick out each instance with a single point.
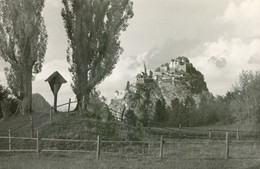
(221, 38)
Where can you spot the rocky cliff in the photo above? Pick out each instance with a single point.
(176, 79)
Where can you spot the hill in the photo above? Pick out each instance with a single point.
(39, 104)
(177, 79)
(10, 107)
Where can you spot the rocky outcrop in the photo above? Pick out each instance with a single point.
(177, 79)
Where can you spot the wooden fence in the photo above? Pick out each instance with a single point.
(180, 132)
(178, 143)
(162, 148)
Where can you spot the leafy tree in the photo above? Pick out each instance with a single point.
(145, 119)
(4, 92)
(160, 111)
(145, 103)
(93, 28)
(127, 86)
(246, 97)
(188, 110)
(14, 81)
(222, 105)
(23, 41)
(207, 109)
(130, 117)
(174, 118)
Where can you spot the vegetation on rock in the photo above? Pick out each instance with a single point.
(180, 97)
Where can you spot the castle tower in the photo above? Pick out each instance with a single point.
(127, 86)
(145, 70)
(172, 64)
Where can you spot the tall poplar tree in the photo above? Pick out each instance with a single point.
(23, 41)
(93, 28)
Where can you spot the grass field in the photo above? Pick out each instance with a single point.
(192, 151)
(80, 161)
(185, 154)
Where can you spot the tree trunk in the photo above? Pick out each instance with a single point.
(83, 93)
(27, 98)
(84, 102)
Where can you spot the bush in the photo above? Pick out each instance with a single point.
(4, 92)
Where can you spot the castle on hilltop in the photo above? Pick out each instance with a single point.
(176, 65)
(169, 81)
(166, 72)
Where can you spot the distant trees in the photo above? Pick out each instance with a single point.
(223, 108)
(245, 103)
(181, 112)
(189, 113)
(14, 81)
(93, 28)
(4, 92)
(130, 117)
(23, 41)
(8, 105)
(174, 112)
(160, 111)
(241, 104)
(207, 109)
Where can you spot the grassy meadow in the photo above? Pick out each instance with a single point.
(193, 150)
(83, 161)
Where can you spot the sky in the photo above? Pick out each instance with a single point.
(221, 38)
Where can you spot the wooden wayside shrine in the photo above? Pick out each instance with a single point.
(55, 81)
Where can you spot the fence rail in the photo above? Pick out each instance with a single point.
(178, 143)
(180, 132)
(162, 148)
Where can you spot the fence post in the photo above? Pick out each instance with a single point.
(148, 150)
(10, 141)
(38, 148)
(68, 108)
(143, 152)
(227, 146)
(98, 148)
(31, 120)
(237, 135)
(161, 148)
(51, 115)
(179, 131)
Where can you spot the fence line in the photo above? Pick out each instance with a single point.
(68, 140)
(182, 133)
(181, 130)
(149, 148)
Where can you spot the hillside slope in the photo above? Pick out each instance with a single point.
(175, 80)
(39, 104)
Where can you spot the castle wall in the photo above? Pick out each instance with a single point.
(139, 80)
(163, 69)
(182, 68)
